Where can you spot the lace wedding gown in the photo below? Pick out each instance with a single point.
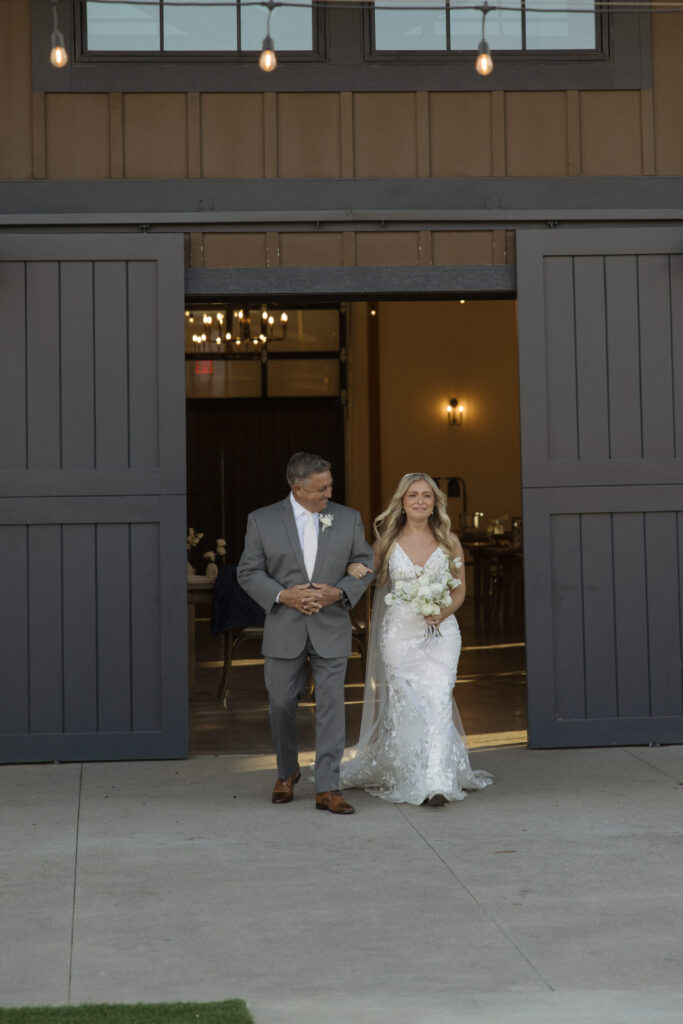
(411, 744)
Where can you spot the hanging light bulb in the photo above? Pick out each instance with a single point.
(484, 62)
(59, 58)
(267, 61)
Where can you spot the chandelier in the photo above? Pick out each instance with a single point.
(235, 329)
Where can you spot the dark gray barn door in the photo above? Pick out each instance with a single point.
(601, 361)
(92, 510)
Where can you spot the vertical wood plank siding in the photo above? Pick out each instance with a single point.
(91, 493)
(618, 651)
(603, 499)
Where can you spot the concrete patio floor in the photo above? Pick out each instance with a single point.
(556, 895)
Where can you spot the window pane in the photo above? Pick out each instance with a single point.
(409, 30)
(546, 30)
(290, 27)
(122, 27)
(503, 29)
(223, 378)
(200, 27)
(303, 377)
(310, 330)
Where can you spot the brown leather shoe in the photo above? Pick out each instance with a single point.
(333, 801)
(283, 790)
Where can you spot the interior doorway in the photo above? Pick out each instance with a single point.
(403, 364)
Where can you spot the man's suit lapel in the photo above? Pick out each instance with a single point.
(293, 534)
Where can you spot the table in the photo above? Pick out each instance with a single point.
(498, 583)
(199, 591)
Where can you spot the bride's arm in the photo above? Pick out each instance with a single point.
(459, 593)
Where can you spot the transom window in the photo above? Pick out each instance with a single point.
(206, 26)
(450, 26)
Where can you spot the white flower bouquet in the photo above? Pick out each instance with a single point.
(426, 592)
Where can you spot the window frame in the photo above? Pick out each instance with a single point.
(601, 51)
(265, 356)
(161, 56)
(343, 64)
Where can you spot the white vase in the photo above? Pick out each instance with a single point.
(212, 570)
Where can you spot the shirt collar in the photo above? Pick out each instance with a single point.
(299, 510)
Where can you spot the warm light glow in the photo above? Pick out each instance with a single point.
(455, 412)
(255, 341)
(228, 337)
(271, 320)
(267, 61)
(59, 58)
(373, 311)
(484, 62)
(187, 312)
(462, 302)
(264, 314)
(284, 318)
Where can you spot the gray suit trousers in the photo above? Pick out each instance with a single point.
(285, 681)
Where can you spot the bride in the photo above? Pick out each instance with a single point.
(412, 747)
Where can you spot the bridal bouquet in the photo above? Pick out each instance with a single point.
(425, 593)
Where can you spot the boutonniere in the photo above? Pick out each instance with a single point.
(325, 520)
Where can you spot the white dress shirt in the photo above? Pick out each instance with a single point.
(300, 514)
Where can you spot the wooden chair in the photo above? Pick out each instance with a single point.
(238, 617)
(233, 636)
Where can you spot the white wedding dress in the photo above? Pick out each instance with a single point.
(411, 744)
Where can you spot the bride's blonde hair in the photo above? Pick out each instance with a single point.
(388, 524)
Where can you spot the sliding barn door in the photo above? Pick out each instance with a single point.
(92, 508)
(601, 367)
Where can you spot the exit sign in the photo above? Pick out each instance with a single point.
(203, 367)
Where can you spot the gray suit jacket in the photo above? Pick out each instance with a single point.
(272, 560)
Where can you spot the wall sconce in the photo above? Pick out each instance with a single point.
(455, 412)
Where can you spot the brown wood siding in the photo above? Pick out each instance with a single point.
(308, 135)
(395, 249)
(611, 133)
(309, 249)
(16, 151)
(77, 135)
(385, 135)
(232, 136)
(536, 134)
(460, 134)
(234, 250)
(667, 46)
(155, 135)
(330, 135)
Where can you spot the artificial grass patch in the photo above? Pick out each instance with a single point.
(231, 1011)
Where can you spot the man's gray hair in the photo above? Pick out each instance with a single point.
(303, 464)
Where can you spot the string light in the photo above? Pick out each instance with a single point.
(484, 64)
(59, 58)
(268, 61)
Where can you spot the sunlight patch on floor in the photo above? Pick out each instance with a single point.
(483, 740)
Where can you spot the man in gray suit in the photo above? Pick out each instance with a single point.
(294, 565)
